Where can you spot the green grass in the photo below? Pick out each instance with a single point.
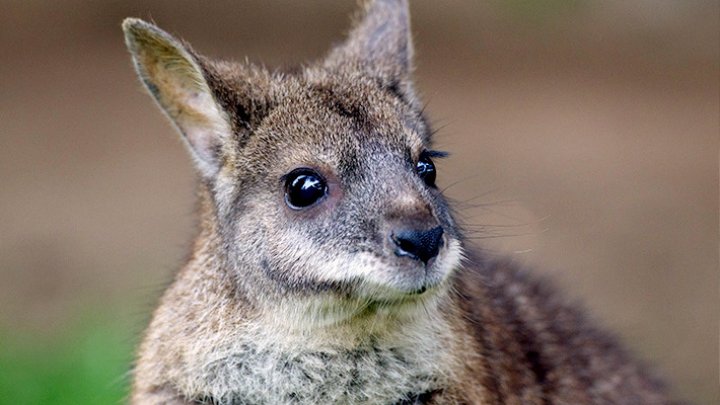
(86, 364)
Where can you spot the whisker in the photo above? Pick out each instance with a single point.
(456, 182)
(514, 235)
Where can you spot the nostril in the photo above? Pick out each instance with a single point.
(420, 245)
(406, 245)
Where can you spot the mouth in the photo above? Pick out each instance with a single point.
(405, 278)
(366, 276)
(369, 283)
(419, 291)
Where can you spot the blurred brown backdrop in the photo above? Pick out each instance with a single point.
(584, 140)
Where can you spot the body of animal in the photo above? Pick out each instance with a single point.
(328, 267)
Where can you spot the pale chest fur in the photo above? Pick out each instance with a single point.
(381, 368)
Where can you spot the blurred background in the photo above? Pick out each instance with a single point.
(584, 141)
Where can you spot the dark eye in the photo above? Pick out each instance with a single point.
(304, 187)
(425, 168)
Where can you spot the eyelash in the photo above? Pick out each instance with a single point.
(436, 154)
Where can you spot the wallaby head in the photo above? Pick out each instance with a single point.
(318, 186)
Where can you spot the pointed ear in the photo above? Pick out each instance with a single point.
(380, 42)
(173, 75)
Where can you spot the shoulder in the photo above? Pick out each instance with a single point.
(550, 345)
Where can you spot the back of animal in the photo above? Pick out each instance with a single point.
(328, 267)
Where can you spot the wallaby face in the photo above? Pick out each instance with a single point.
(322, 182)
(328, 264)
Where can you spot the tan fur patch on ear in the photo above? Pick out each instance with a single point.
(172, 75)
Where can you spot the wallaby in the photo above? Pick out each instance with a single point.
(328, 268)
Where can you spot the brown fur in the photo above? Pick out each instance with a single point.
(278, 306)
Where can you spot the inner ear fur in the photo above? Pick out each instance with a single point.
(174, 77)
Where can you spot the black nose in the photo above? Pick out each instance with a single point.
(419, 245)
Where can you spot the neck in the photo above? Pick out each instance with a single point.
(377, 354)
